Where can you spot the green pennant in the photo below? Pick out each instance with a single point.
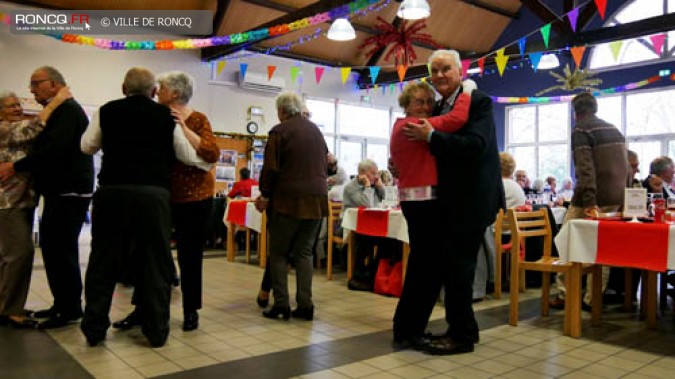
(546, 32)
(295, 70)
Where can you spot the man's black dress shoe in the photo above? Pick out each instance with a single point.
(92, 338)
(128, 322)
(448, 347)
(59, 320)
(44, 313)
(190, 321)
(415, 343)
(306, 313)
(275, 312)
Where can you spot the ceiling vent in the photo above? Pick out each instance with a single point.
(258, 82)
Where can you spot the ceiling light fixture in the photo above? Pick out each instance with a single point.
(414, 9)
(341, 30)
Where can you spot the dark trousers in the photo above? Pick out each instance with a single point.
(60, 228)
(190, 222)
(131, 226)
(424, 273)
(440, 255)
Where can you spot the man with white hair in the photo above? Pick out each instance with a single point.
(464, 213)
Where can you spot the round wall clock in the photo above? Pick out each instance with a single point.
(252, 127)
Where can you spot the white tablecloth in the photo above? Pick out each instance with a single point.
(397, 227)
(559, 214)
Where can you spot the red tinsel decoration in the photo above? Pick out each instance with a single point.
(400, 38)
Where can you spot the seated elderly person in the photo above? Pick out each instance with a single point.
(513, 192)
(366, 190)
(661, 172)
(523, 180)
(242, 188)
(567, 189)
(336, 174)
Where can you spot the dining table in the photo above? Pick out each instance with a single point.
(376, 222)
(244, 214)
(615, 242)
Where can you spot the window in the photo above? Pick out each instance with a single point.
(636, 49)
(538, 137)
(323, 115)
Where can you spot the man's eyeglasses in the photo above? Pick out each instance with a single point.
(35, 83)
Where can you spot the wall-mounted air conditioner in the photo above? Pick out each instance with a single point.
(258, 82)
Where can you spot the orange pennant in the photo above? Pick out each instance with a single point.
(577, 54)
(270, 72)
(402, 69)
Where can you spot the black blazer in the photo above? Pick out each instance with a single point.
(470, 187)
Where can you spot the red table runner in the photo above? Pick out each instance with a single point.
(236, 213)
(633, 245)
(372, 222)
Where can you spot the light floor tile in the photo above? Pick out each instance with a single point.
(412, 372)
(357, 370)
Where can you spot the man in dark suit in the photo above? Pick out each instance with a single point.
(65, 179)
(469, 155)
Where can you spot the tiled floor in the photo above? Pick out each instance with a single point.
(349, 338)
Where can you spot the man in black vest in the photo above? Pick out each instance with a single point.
(132, 221)
(65, 179)
(470, 154)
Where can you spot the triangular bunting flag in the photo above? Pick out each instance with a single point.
(535, 58)
(521, 46)
(270, 72)
(501, 60)
(577, 54)
(545, 33)
(295, 70)
(374, 72)
(481, 64)
(573, 16)
(657, 42)
(391, 88)
(466, 63)
(344, 74)
(601, 5)
(242, 68)
(220, 67)
(318, 73)
(615, 47)
(402, 69)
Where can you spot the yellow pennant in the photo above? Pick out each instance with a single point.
(501, 60)
(344, 74)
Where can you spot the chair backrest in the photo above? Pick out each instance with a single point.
(334, 215)
(531, 224)
(502, 226)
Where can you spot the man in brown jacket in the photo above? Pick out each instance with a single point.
(293, 190)
(600, 156)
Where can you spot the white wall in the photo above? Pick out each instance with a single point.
(95, 76)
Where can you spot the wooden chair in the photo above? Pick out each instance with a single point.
(535, 224)
(334, 216)
(502, 225)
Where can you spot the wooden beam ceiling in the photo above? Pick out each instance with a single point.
(492, 8)
(219, 16)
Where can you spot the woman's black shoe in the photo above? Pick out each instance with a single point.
(275, 312)
(24, 323)
(128, 322)
(263, 301)
(304, 313)
(190, 321)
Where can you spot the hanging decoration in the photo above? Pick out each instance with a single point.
(578, 54)
(344, 74)
(295, 70)
(573, 16)
(545, 33)
(270, 72)
(374, 72)
(602, 6)
(535, 58)
(401, 69)
(615, 47)
(220, 67)
(353, 8)
(658, 41)
(573, 80)
(501, 60)
(606, 91)
(318, 73)
(400, 38)
(242, 69)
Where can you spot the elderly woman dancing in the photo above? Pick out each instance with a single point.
(17, 207)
